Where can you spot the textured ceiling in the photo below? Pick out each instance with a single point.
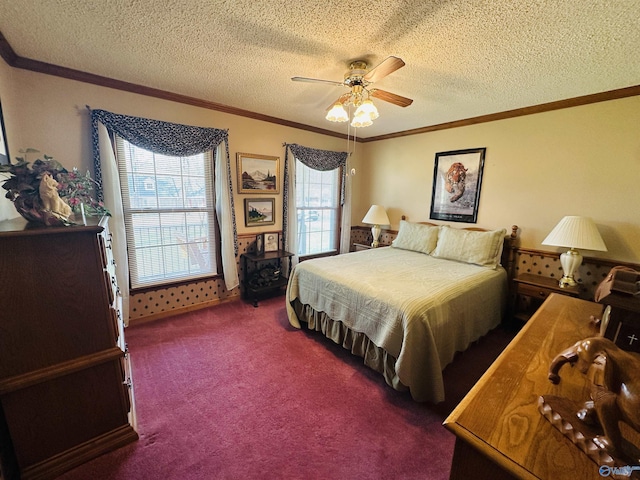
(464, 58)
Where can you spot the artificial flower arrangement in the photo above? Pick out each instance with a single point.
(48, 193)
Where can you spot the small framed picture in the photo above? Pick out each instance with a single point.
(259, 211)
(260, 244)
(271, 242)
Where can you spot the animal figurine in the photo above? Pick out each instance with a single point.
(51, 201)
(615, 388)
(455, 180)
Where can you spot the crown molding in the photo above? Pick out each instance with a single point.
(519, 112)
(16, 61)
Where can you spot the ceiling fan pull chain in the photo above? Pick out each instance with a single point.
(355, 134)
(353, 141)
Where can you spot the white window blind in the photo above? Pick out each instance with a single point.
(318, 208)
(169, 209)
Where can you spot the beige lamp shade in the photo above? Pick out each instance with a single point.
(376, 216)
(574, 232)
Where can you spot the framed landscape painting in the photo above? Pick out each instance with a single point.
(258, 173)
(457, 177)
(259, 211)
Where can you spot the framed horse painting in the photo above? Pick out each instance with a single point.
(457, 177)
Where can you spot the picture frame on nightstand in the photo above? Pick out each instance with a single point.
(260, 244)
(271, 242)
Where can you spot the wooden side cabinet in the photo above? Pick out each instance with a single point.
(530, 291)
(261, 280)
(66, 394)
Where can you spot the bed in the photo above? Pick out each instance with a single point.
(406, 309)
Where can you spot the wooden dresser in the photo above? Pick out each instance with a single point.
(66, 394)
(500, 433)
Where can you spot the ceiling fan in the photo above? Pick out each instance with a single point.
(358, 79)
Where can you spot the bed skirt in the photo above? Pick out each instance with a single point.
(357, 343)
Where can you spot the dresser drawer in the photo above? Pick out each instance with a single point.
(54, 416)
(534, 291)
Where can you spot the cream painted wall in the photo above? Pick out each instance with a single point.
(584, 160)
(48, 113)
(538, 168)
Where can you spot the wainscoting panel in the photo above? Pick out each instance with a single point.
(171, 300)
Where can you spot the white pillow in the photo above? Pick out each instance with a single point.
(470, 246)
(416, 237)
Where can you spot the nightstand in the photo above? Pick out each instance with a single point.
(267, 280)
(531, 290)
(363, 246)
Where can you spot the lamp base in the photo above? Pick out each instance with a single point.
(375, 232)
(570, 262)
(567, 282)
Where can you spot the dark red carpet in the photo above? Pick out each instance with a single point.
(234, 392)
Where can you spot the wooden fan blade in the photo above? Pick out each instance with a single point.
(391, 97)
(388, 65)
(341, 99)
(316, 80)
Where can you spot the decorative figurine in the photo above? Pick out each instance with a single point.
(50, 199)
(614, 398)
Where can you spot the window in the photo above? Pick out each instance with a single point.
(169, 218)
(318, 208)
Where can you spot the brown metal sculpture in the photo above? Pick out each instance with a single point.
(614, 376)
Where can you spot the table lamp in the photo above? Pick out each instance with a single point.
(574, 232)
(376, 216)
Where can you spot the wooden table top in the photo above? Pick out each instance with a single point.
(499, 416)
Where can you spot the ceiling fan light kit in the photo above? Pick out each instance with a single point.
(337, 113)
(361, 120)
(358, 79)
(365, 112)
(369, 109)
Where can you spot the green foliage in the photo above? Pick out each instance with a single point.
(23, 185)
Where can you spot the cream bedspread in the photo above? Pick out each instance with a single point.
(418, 308)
